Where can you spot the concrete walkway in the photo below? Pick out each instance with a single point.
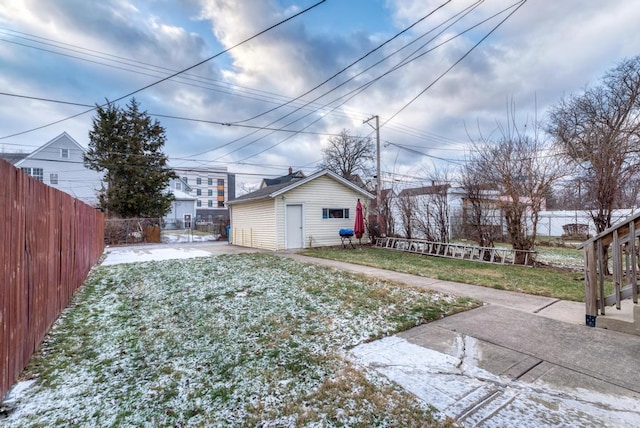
(518, 361)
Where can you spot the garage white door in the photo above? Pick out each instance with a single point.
(293, 221)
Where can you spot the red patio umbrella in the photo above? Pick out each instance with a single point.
(358, 228)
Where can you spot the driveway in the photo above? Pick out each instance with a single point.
(149, 252)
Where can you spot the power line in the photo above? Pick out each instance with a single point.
(254, 94)
(176, 73)
(520, 4)
(400, 146)
(380, 46)
(314, 100)
(350, 95)
(214, 122)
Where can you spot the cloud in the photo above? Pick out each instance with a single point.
(543, 51)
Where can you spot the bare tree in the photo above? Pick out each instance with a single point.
(631, 192)
(478, 207)
(407, 211)
(245, 187)
(599, 131)
(386, 213)
(430, 218)
(349, 156)
(439, 213)
(523, 169)
(569, 195)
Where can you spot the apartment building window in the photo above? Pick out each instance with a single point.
(64, 153)
(210, 181)
(36, 173)
(210, 203)
(198, 180)
(198, 192)
(220, 182)
(210, 192)
(53, 178)
(221, 204)
(199, 203)
(185, 179)
(221, 192)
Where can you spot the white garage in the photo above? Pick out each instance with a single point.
(301, 213)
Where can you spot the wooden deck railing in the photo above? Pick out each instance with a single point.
(456, 251)
(622, 240)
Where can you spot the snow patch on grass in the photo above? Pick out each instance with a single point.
(244, 340)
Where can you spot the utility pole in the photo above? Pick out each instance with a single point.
(378, 177)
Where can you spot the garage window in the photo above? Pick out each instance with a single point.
(335, 213)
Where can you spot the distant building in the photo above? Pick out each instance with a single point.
(182, 213)
(211, 188)
(59, 163)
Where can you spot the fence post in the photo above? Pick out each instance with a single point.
(591, 284)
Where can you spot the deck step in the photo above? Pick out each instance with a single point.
(621, 325)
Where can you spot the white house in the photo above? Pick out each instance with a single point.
(182, 213)
(418, 199)
(59, 163)
(299, 213)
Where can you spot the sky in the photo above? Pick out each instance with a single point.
(260, 95)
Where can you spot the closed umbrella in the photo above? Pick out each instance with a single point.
(358, 228)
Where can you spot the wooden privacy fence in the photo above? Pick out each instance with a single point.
(622, 241)
(48, 243)
(457, 251)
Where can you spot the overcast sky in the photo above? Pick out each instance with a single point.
(86, 52)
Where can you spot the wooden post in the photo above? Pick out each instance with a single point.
(591, 284)
(634, 268)
(601, 270)
(617, 267)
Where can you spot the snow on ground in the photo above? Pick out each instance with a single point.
(453, 384)
(567, 258)
(242, 340)
(225, 340)
(117, 256)
(174, 238)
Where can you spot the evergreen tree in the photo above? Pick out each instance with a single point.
(126, 144)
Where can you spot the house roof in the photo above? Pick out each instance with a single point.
(49, 143)
(266, 182)
(13, 157)
(182, 196)
(386, 192)
(425, 190)
(280, 188)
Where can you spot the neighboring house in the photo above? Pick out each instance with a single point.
(59, 163)
(182, 214)
(281, 180)
(211, 187)
(298, 213)
(420, 205)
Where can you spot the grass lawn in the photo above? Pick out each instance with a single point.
(544, 281)
(243, 340)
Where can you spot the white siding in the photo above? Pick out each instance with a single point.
(253, 224)
(73, 177)
(323, 192)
